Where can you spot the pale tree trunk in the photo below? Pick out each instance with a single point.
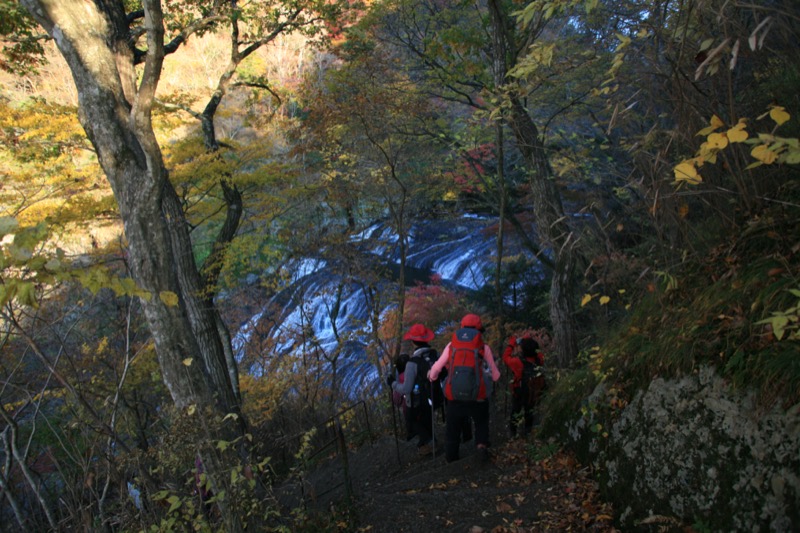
(551, 222)
(94, 39)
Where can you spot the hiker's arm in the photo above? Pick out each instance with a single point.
(439, 364)
(408, 380)
(489, 356)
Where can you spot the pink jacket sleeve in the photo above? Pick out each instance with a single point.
(489, 357)
(440, 363)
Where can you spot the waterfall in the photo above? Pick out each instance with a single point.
(460, 251)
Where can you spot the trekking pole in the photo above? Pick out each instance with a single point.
(433, 427)
(394, 425)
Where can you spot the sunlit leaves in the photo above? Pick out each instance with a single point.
(539, 55)
(22, 262)
(686, 171)
(169, 298)
(48, 170)
(22, 52)
(779, 115)
(767, 148)
(715, 124)
(785, 324)
(602, 300)
(764, 154)
(738, 133)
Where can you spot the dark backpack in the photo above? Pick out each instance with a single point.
(429, 356)
(465, 378)
(532, 383)
(422, 386)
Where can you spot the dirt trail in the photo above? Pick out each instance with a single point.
(513, 492)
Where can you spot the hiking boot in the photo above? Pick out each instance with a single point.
(425, 449)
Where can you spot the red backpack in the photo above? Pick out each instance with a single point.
(465, 378)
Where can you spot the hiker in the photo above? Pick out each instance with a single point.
(417, 389)
(471, 373)
(400, 400)
(523, 358)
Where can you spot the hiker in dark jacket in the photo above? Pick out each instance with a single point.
(400, 400)
(416, 388)
(523, 358)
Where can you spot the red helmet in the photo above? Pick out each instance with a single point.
(472, 321)
(419, 332)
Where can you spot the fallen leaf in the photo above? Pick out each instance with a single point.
(504, 507)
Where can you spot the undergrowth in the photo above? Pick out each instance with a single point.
(737, 309)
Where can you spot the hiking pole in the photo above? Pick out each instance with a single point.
(433, 427)
(394, 425)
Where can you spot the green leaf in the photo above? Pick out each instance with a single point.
(7, 225)
(7, 291)
(175, 503)
(26, 294)
(778, 323)
(792, 157)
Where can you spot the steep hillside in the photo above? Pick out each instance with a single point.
(690, 409)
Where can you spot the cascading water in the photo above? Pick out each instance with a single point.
(323, 311)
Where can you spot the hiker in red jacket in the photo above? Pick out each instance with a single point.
(523, 358)
(471, 373)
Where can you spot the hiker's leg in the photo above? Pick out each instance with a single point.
(456, 413)
(480, 415)
(423, 425)
(516, 413)
(466, 429)
(528, 414)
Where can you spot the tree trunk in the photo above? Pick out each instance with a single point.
(551, 223)
(116, 114)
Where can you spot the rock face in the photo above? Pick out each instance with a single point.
(693, 451)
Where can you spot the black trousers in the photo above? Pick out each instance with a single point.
(522, 414)
(459, 415)
(422, 422)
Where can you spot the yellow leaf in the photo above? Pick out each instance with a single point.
(716, 123)
(779, 115)
(169, 298)
(737, 133)
(686, 172)
(586, 299)
(187, 361)
(604, 300)
(191, 409)
(717, 141)
(764, 154)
